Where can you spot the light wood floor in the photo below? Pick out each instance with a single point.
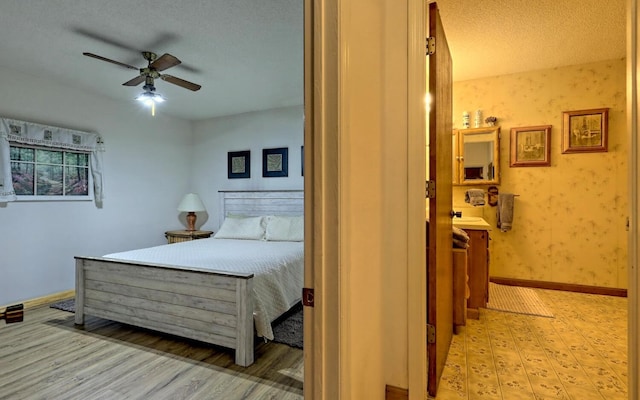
(47, 357)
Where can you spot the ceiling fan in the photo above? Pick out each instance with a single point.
(151, 72)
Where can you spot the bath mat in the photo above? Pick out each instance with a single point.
(517, 300)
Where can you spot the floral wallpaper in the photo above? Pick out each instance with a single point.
(570, 217)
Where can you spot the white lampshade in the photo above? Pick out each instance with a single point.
(190, 203)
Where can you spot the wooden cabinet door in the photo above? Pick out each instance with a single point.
(478, 270)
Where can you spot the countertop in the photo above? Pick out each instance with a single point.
(473, 223)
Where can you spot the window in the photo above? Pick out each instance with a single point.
(49, 163)
(50, 174)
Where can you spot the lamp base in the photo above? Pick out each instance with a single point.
(191, 221)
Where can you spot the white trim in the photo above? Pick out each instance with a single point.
(26, 199)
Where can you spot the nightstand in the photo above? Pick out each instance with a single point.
(185, 236)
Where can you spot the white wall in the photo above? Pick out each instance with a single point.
(147, 165)
(254, 131)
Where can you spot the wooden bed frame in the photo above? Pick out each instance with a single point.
(212, 307)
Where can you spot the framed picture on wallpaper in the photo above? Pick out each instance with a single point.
(239, 164)
(585, 131)
(275, 162)
(530, 146)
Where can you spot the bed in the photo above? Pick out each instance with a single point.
(222, 290)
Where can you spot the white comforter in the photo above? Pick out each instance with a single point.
(278, 269)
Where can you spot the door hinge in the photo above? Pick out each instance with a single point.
(431, 333)
(429, 189)
(308, 297)
(431, 45)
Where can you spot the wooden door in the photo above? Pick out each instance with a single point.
(439, 256)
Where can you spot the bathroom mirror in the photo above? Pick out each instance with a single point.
(476, 156)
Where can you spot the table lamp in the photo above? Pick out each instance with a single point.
(191, 203)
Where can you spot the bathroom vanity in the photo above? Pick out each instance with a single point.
(477, 262)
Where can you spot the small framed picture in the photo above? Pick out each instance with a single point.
(275, 162)
(239, 164)
(531, 146)
(585, 131)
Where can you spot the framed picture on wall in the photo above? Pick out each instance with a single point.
(585, 131)
(530, 146)
(275, 162)
(239, 164)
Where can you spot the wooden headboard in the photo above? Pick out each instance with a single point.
(261, 202)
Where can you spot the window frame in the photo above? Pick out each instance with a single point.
(63, 197)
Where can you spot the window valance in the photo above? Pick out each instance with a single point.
(29, 133)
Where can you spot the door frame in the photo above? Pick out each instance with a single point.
(633, 121)
(322, 325)
(417, 161)
(321, 322)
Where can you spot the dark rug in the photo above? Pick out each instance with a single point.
(287, 329)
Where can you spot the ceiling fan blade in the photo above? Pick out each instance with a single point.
(162, 40)
(180, 82)
(164, 61)
(103, 38)
(109, 60)
(135, 81)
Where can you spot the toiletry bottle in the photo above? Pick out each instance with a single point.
(477, 121)
(465, 119)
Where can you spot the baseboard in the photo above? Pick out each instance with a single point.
(396, 393)
(50, 298)
(569, 287)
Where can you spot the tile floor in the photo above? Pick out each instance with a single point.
(579, 354)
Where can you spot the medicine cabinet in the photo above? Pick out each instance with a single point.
(476, 156)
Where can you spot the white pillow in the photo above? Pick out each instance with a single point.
(241, 228)
(290, 229)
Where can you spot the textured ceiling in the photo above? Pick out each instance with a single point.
(247, 54)
(497, 37)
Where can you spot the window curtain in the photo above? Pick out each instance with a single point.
(49, 136)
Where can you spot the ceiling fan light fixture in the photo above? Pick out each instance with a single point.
(150, 98)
